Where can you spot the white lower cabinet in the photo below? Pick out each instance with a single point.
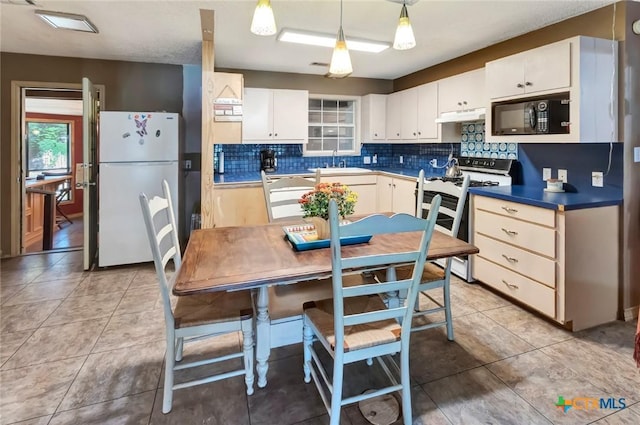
(364, 185)
(563, 264)
(396, 195)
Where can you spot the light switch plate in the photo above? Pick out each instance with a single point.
(597, 179)
(636, 154)
(401, 159)
(562, 175)
(367, 160)
(546, 174)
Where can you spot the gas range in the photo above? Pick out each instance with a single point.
(482, 172)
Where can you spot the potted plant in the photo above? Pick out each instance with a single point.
(315, 205)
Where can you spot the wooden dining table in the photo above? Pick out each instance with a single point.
(256, 257)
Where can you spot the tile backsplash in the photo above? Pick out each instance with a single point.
(473, 144)
(246, 157)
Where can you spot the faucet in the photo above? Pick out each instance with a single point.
(333, 158)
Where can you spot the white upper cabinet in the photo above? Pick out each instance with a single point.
(542, 69)
(462, 92)
(581, 69)
(394, 116)
(275, 116)
(411, 114)
(374, 117)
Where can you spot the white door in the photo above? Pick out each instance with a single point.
(138, 136)
(90, 109)
(123, 238)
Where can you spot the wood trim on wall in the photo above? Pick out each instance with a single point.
(206, 174)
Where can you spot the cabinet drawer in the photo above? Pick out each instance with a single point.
(521, 233)
(517, 286)
(542, 216)
(527, 263)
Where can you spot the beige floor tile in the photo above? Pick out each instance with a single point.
(218, 403)
(28, 262)
(19, 277)
(424, 411)
(540, 380)
(616, 337)
(615, 375)
(487, 340)
(535, 330)
(125, 330)
(62, 271)
(104, 282)
(57, 342)
(120, 373)
(35, 391)
(477, 296)
(26, 316)
(132, 410)
(75, 309)
(42, 420)
(477, 397)
(10, 342)
(623, 417)
(72, 257)
(287, 398)
(458, 306)
(37, 292)
(139, 299)
(8, 291)
(434, 357)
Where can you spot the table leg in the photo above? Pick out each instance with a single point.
(392, 297)
(263, 336)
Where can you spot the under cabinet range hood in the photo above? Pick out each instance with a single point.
(460, 116)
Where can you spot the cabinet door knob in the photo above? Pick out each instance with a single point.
(419, 133)
(520, 85)
(270, 134)
(397, 134)
(375, 134)
(459, 103)
(510, 210)
(509, 232)
(510, 259)
(528, 83)
(414, 133)
(276, 134)
(510, 285)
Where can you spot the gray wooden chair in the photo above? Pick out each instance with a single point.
(194, 317)
(356, 325)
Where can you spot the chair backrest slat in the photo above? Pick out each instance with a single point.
(374, 225)
(281, 195)
(452, 204)
(160, 223)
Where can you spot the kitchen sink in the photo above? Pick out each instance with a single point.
(338, 170)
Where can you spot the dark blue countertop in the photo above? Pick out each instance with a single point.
(563, 201)
(254, 176)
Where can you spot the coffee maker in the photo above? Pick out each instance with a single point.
(268, 160)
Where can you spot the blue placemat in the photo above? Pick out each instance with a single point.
(304, 237)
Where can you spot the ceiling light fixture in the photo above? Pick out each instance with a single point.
(404, 39)
(340, 61)
(68, 21)
(329, 40)
(263, 22)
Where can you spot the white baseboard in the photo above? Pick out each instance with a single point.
(631, 313)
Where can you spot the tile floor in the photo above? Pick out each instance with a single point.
(87, 348)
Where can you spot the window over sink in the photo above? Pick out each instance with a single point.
(333, 125)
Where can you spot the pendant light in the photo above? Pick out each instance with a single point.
(404, 39)
(340, 60)
(263, 22)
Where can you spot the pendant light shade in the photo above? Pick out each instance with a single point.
(263, 22)
(340, 60)
(404, 39)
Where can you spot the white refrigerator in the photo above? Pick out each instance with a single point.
(137, 151)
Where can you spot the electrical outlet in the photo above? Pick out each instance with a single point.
(375, 158)
(187, 164)
(562, 175)
(433, 162)
(401, 159)
(597, 179)
(546, 174)
(636, 154)
(367, 160)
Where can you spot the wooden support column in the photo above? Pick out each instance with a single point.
(208, 139)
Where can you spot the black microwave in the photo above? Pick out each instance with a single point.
(546, 116)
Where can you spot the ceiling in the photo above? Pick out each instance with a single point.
(169, 31)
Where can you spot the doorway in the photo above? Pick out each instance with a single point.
(47, 130)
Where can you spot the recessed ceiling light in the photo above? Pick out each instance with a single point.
(329, 40)
(68, 21)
